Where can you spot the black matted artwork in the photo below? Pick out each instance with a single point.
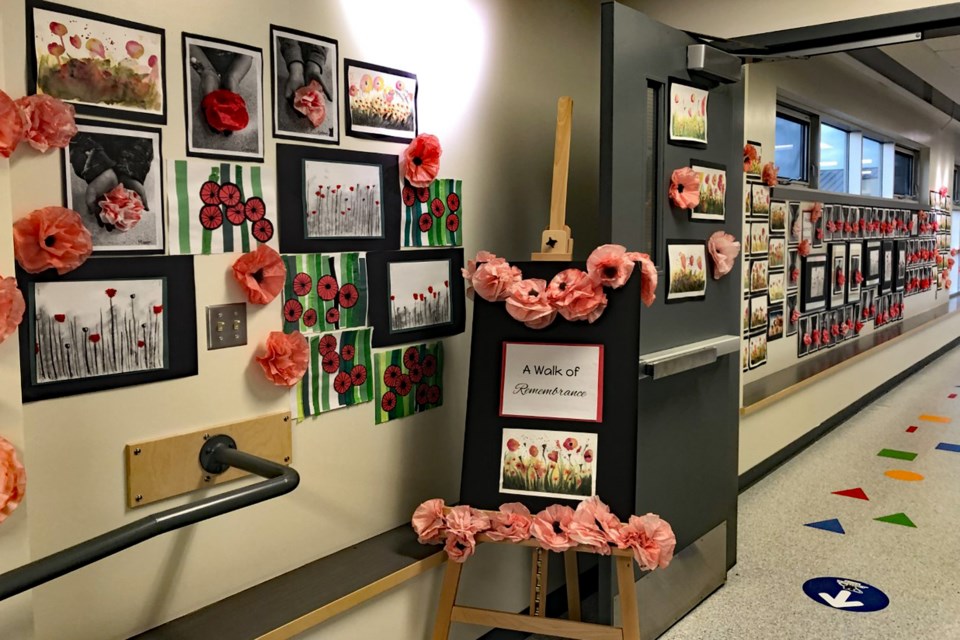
(415, 295)
(297, 60)
(110, 323)
(686, 270)
(335, 200)
(379, 103)
(688, 114)
(713, 191)
(814, 283)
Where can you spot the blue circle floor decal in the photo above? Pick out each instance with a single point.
(846, 594)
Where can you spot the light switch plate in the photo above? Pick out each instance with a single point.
(226, 325)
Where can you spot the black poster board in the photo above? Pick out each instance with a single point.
(618, 330)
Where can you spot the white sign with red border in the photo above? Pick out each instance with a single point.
(552, 381)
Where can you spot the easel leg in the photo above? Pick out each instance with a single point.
(448, 598)
(573, 584)
(538, 583)
(629, 614)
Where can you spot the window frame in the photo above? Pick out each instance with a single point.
(804, 120)
(914, 156)
(864, 137)
(850, 137)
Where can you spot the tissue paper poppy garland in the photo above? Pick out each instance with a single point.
(13, 479)
(339, 373)
(408, 381)
(591, 527)
(325, 292)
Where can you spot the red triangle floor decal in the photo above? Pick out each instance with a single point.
(857, 493)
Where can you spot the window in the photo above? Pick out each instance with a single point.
(790, 146)
(871, 168)
(956, 188)
(903, 180)
(833, 158)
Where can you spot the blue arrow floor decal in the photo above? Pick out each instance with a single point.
(827, 525)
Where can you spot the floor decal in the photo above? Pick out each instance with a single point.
(911, 428)
(901, 474)
(952, 396)
(897, 518)
(929, 418)
(894, 453)
(857, 493)
(946, 446)
(827, 525)
(846, 594)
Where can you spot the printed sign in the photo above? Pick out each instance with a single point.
(552, 381)
(846, 594)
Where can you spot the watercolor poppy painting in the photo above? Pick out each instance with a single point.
(713, 194)
(408, 381)
(339, 373)
(324, 292)
(433, 216)
(101, 65)
(381, 103)
(553, 464)
(688, 113)
(686, 267)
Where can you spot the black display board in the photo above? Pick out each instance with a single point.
(618, 331)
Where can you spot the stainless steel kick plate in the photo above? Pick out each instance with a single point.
(226, 325)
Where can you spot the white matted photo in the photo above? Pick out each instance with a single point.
(306, 86)
(381, 103)
(686, 271)
(552, 464)
(713, 193)
(419, 294)
(552, 381)
(342, 199)
(688, 113)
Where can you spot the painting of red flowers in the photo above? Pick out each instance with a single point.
(553, 464)
(423, 283)
(381, 102)
(434, 217)
(334, 285)
(688, 114)
(409, 380)
(343, 200)
(337, 375)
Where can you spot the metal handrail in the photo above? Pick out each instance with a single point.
(280, 480)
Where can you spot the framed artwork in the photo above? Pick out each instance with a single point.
(332, 200)
(779, 212)
(298, 60)
(792, 314)
(849, 320)
(759, 239)
(746, 273)
(793, 269)
(857, 317)
(325, 292)
(868, 303)
(433, 216)
(811, 227)
(872, 271)
(813, 289)
(745, 354)
(837, 254)
(102, 157)
(854, 228)
(758, 313)
(794, 224)
(745, 317)
(106, 325)
(826, 325)
(379, 102)
(760, 200)
(525, 449)
(552, 381)
(855, 276)
(686, 262)
(688, 114)
(223, 98)
(758, 276)
(408, 381)
(900, 268)
(338, 374)
(775, 253)
(753, 159)
(775, 287)
(219, 207)
(807, 330)
(887, 266)
(713, 191)
(879, 319)
(832, 222)
(103, 66)
(758, 350)
(415, 295)
(775, 323)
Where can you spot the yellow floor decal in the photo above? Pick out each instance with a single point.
(901, 474)
(929, 418)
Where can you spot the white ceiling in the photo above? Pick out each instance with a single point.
(948, 49)
(937, 61)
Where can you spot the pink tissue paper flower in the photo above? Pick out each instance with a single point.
(576, 296)
(11, 125)
(611, 265)
(13, 479)
(804, 247)
(651, 539)
(420, 161)
(724, 250)
(12, 307)
(310, 102)
(595, 526)
(122, 208)
(286, 358)
(552, 526)
(495, 279)
(428, 521)
(528, 303)
(463, 524)
(684, 189)
(648, 277)
(47, 122)
(769, 175)
(512, 523)
(51, 237)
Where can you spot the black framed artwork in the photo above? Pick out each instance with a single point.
(415, 295)
(297, 60)
(110, 323)
(837, 260)
(872, 260)
(379, 103)
(900, 265)
(808, 335)
(814, 282)
(688, 114)
(124, 61)
(713, 191)
(855, 276)
(887, 266)
(686, 270)
(336, 200)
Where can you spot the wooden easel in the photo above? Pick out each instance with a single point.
(556, 242)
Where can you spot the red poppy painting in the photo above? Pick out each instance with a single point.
(404, 375)
(302, 284)
(542, 463)
(343, 200)
(343, 382)
(358, 375)
(310, 317)
(327, 288)
(316, 280)
(327, 344)
(292, 310)
(331, 362)
(340, 377)
(433, 215)
(254, 209)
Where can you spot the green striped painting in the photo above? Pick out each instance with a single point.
(433, 216)
(324, 292)
(408, 381)
(338, 373)
(219, 207)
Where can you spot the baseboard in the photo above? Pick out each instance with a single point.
(762, 469)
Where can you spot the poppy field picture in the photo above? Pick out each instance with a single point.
(713, 194)
(419, 294)
(324, 292)
(688, 113)
(686, 266)
(338, 375)
(381, 102)
(554, 464)
(433, 216)
(408, 381)
(342, 200)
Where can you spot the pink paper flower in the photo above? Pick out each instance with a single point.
(595, 526)
(463, 524)
(52, 237)
(428, 521)
(512, 523)
(495, 279)
(576, 296)
(13, 479)
(261, 274)
(651, 539)
(310, 102)
(471, 268)
(816, 212)
(552, 528)
(648, 277)
(122, 208)
(858, 277)
(794, 274)
(420, 161)
(750, 156)
(684, 189)
(47, 122)
(858, 326)
(804, 247)
(12, 307)
(286, 358)
(769, 175)
(795, 316)
(724, 250)
(11, 125)
(611, 265)
(807, 340)
(528, 303)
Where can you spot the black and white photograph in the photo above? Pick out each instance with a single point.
(827, 336)
(868, 303)
(223, 95)
(813, 282)
(838, 273)
(793, 269)
(855, 275)
(807, 329)
(305, 85)
(871, 263)
(887, 267)
(792, 314)
(794, 224)
(112, 177)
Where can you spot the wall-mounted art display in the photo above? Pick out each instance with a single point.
(753, 159)
(794, 224)
(553, 464)
(829, 329)
(102, 65)
(745, 354)
(855, 277)
(745, 317)
(334, 200)
(415, 295)
(688, 114)
(552, 381)
(219, 207)
(775, 254)
(305, 86)
(900, 268)
(760, 200)
(380, 102)
(779, 213)
(814, 282)
(713, 191)
(113, 177)
(758, 350)
(758, 313)
(868, 308)
(433, 217)
(808, 336)
(759, 239)
(686, 262)
(758, 276)
(837, 260)
(793, 269)
(408, 381)
(223, 98)
(792, 314)
(107, 324)
(775, 323)
(887, 266)
(338, 375)
(872, 261)
(776, 290)
(324, 292)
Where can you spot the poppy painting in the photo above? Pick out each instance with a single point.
(713, 193)
(758, 350)
(381, 103)
(420, 294)
(686, 267)
(433, 216)
(688, 114)
(553, 464)
(340, 373)
(324, 292)
(753, 159)
(779, 212)
(342, 200)
(408, 381)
